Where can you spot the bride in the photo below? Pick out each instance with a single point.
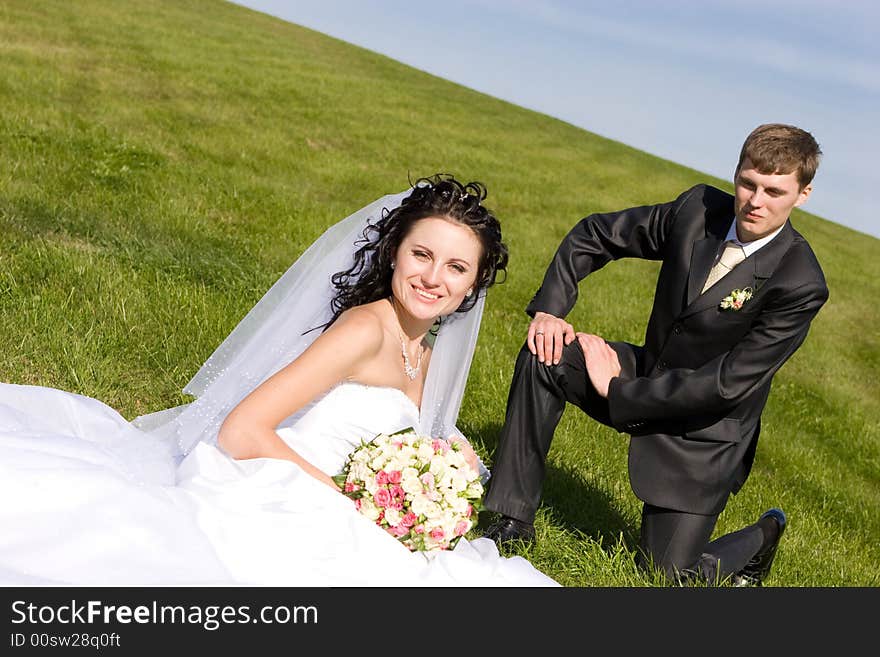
(236, 487)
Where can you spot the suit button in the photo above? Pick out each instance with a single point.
(662, 365)
(677, 329)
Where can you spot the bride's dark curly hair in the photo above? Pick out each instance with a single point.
(441, 195)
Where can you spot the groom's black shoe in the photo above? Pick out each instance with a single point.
(757, 569)
(507, 530)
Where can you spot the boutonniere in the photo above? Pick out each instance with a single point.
(736, 299)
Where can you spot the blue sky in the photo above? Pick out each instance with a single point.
(683, 80)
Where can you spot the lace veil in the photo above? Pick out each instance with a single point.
(277, 330)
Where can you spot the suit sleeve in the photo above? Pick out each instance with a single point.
(722, 383)
(639, 232)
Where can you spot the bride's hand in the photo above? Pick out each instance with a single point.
(467, 451)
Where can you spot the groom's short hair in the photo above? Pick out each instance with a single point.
(779, 148)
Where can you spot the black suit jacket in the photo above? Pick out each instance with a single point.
(691, 398)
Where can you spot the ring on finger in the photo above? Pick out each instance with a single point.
(539, 332)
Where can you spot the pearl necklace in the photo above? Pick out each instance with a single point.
(411, 372)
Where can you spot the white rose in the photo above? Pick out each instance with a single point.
(474, 489)
(391, 464)
(421, 504)
(411, 485)
(393, 517)
(459, 482)
(369, 509)
(438, 467)
(360, 471)
(457, 459)
(459, 505)
(433, 510)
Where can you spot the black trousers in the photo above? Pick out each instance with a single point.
(675, 541)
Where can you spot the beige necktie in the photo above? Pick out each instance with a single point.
(732, 255)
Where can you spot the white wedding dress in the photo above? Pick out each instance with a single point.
(86, 498)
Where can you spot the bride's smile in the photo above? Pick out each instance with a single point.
(435, 268)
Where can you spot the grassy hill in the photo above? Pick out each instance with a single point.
(162, 163)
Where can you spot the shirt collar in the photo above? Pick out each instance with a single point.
(750, 247)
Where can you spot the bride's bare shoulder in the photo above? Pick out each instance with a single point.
(365, 323)
(373, 314)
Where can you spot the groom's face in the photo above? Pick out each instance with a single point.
(763, 201)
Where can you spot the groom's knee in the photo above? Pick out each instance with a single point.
(572, 358)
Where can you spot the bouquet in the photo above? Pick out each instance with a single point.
(419, 489)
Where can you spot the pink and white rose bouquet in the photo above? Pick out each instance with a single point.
(417, 488)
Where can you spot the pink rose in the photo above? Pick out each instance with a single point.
(419, 529)
(398, 496)
(382, 478)
(461, 527)
(350, 487)
(440, 446)
(427, 480)
(409, 519)
(398, 531)
(469, 512)
(437, 533)
(382, 498)
(394, 477)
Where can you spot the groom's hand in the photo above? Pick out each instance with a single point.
(547, 336)
(601, 360)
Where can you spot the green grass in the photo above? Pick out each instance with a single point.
(162, 163)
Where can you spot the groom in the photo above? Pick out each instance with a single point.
(737, 290)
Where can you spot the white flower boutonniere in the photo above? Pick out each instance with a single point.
(736, 299)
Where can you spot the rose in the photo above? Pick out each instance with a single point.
(382, 497)
(398, 496)
(366, 507)
(411, 485)
(393, 516)
(399, 531)
(409, 519)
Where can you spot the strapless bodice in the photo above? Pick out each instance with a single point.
(328, 430)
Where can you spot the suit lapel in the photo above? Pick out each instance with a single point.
(767, 258)
(752, 272)
(704, 250)
(702, 258)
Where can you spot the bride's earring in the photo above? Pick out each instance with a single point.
(469, 293)
(392, 264)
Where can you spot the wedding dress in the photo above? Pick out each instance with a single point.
(77, 509)
(88, 498)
